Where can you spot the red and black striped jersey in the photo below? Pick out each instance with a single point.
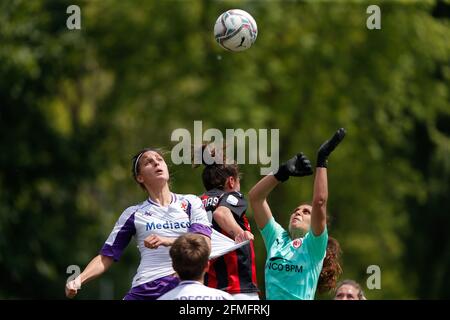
(234, 272)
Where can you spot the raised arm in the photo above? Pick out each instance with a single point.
(258, 199)
(320, 195)
(319, 203)
(95, 268)
(298, 166)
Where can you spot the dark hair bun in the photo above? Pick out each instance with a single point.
(210, 152)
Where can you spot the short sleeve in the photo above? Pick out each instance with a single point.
(199, 222)
(271, 231)
(234, 201)
(317, 245)
(120, 236)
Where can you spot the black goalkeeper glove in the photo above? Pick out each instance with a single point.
(328, 146)
(298, 166)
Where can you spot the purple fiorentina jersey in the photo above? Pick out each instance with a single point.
(184, 214)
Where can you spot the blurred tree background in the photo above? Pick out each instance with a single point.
(75, 105)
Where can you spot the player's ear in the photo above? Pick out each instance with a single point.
(231, 182)
(207, 266)
(140, 178)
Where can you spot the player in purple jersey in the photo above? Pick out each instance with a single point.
(155, 223)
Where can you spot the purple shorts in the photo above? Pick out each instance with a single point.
(152, 290)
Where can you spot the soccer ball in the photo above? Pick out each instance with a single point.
(235, 30)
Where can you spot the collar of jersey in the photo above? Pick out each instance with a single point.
(184, 282)
(174, 199)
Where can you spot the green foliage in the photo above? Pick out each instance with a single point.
(76, 105)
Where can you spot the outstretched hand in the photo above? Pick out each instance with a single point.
(298, 166)
(328, 146)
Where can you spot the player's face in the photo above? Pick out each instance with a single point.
(301, 218)
(346, 292)
(152, 168)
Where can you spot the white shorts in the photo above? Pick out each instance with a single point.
(246, 296)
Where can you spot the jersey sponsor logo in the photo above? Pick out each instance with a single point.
(232, 200)
(281, 264)
(167, 225)
(297, 243)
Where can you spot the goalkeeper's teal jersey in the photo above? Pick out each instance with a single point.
(293, 266)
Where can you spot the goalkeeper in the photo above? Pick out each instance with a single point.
(303, 258)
